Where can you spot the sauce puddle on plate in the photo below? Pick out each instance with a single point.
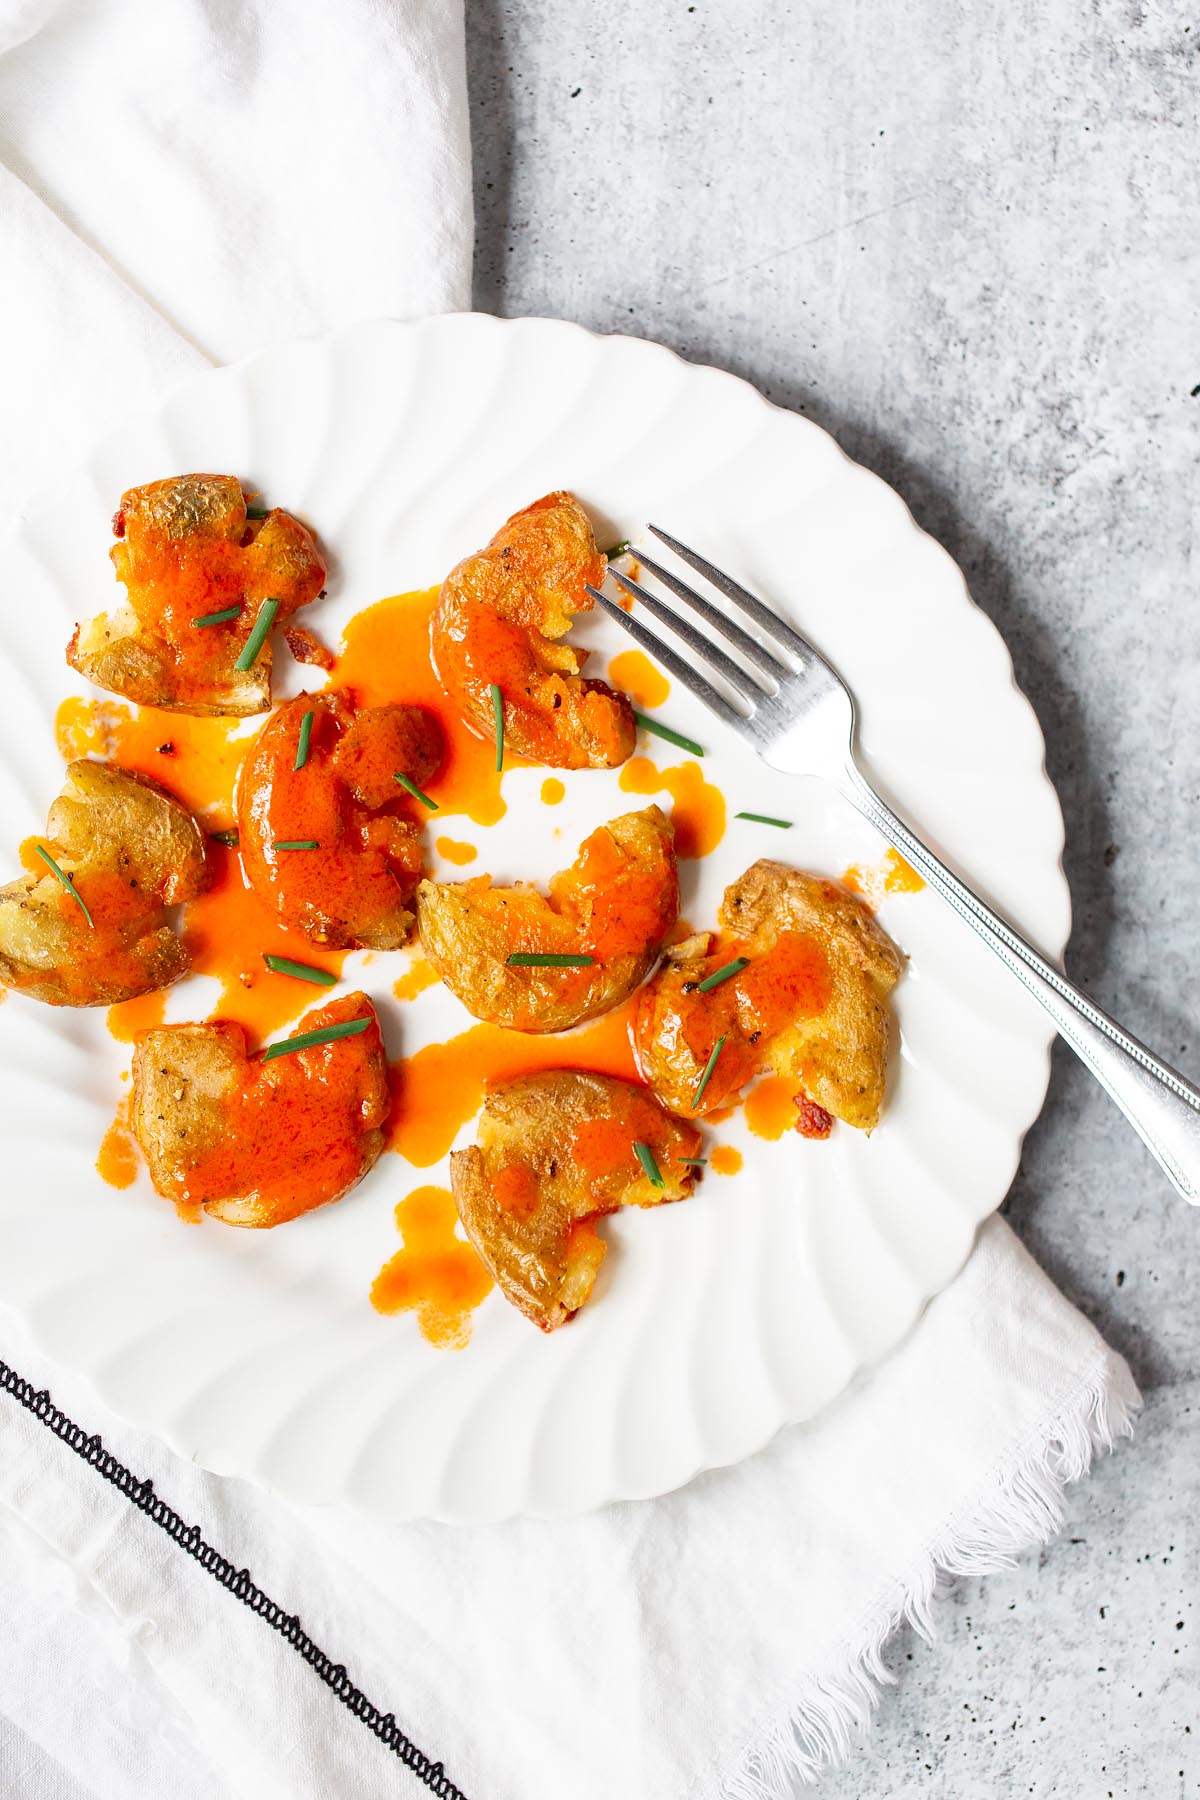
(436, 1274)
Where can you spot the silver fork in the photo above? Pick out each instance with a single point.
(795, 710)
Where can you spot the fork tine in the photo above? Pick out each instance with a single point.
(697, 643)
(751, 605)
(670, 659)
(726, 627)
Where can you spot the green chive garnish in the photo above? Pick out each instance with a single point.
(498, 715)
(765, 819)
(219, 618)
(411, 787)
(283, 965)
(719, 975)
(527, 959)
(645, 1156)
(228, 838)
(67, 883)
(709, 1066)
(303, 740)
(257, 512)
(304, 1040)
(295, 844)
(672, 737)
(693, 1162)
(620, 549)
(258, 636)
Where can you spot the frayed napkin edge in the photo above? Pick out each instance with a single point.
(1020, 1508)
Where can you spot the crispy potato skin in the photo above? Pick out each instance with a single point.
(812, 1005)
(555, 1153)
(132, 850)
(186, 549)
(498, 620)
(258, 1143)
(356, 889)
(617, 903)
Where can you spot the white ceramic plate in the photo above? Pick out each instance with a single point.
(714, 1322)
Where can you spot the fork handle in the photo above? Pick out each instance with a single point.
(1161, 1105)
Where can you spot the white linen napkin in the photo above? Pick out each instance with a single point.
(181, 183)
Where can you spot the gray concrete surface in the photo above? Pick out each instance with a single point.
(964, 237)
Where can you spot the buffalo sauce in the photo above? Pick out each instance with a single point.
(436, 1275)
(634, 673)
(117, 1159)
(437, 1089)
(697, 807)
(723, 1159)
(871, 881)
(456, 852)
(195, 759)
(385, 656)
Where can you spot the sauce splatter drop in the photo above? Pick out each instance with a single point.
(633, 672)
(553, 791)
(770, 1107)
(419, 975)
(144, 1013)
(194, 759)
(724, 1159)
(456, 852)
(436, 1090)
(871, 881)
(436, 1274)
(697, 807)
(117, 1162)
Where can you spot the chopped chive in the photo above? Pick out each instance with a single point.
(328, 1034)
(621, 549)
(295, 844)
(257, 512)
(672, 737)
(259, 634)
(283, 965)
(302, 742)
(410, 786)
(765, 819)
(693, 1162)
(498, 715)
(709, 1066)
(645, 1156)
(523, 959)
(228, 838)
(219, 618)
(719, 975)
(67, 883)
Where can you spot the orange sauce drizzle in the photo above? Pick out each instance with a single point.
(194, 759)
(871, 881)
(28, 856)
(420, 975)
(456, 852)
(553, 791)
(117, 1162)
(143, 1013)
(770, 1107)
(645, 684)
(385, 657)
(697, 807)
(436, 1090)
(723, 1159)
(436, 1275)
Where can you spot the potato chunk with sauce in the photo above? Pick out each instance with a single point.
(500, 617)
(130, 850)
(811, 1004)
(187, 550)
(335, 845)
(259, 1142)
(555, 1152)
(615, 905)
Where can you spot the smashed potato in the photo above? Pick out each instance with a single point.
(354, 887)
(130, 850)
(811, 1004)
(499, 619)
(616, 904)
(187, 551)
(555, 1151)
(259, 1142)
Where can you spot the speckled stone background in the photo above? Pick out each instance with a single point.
(964, 237)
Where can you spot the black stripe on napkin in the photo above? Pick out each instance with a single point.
(237, 1581)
